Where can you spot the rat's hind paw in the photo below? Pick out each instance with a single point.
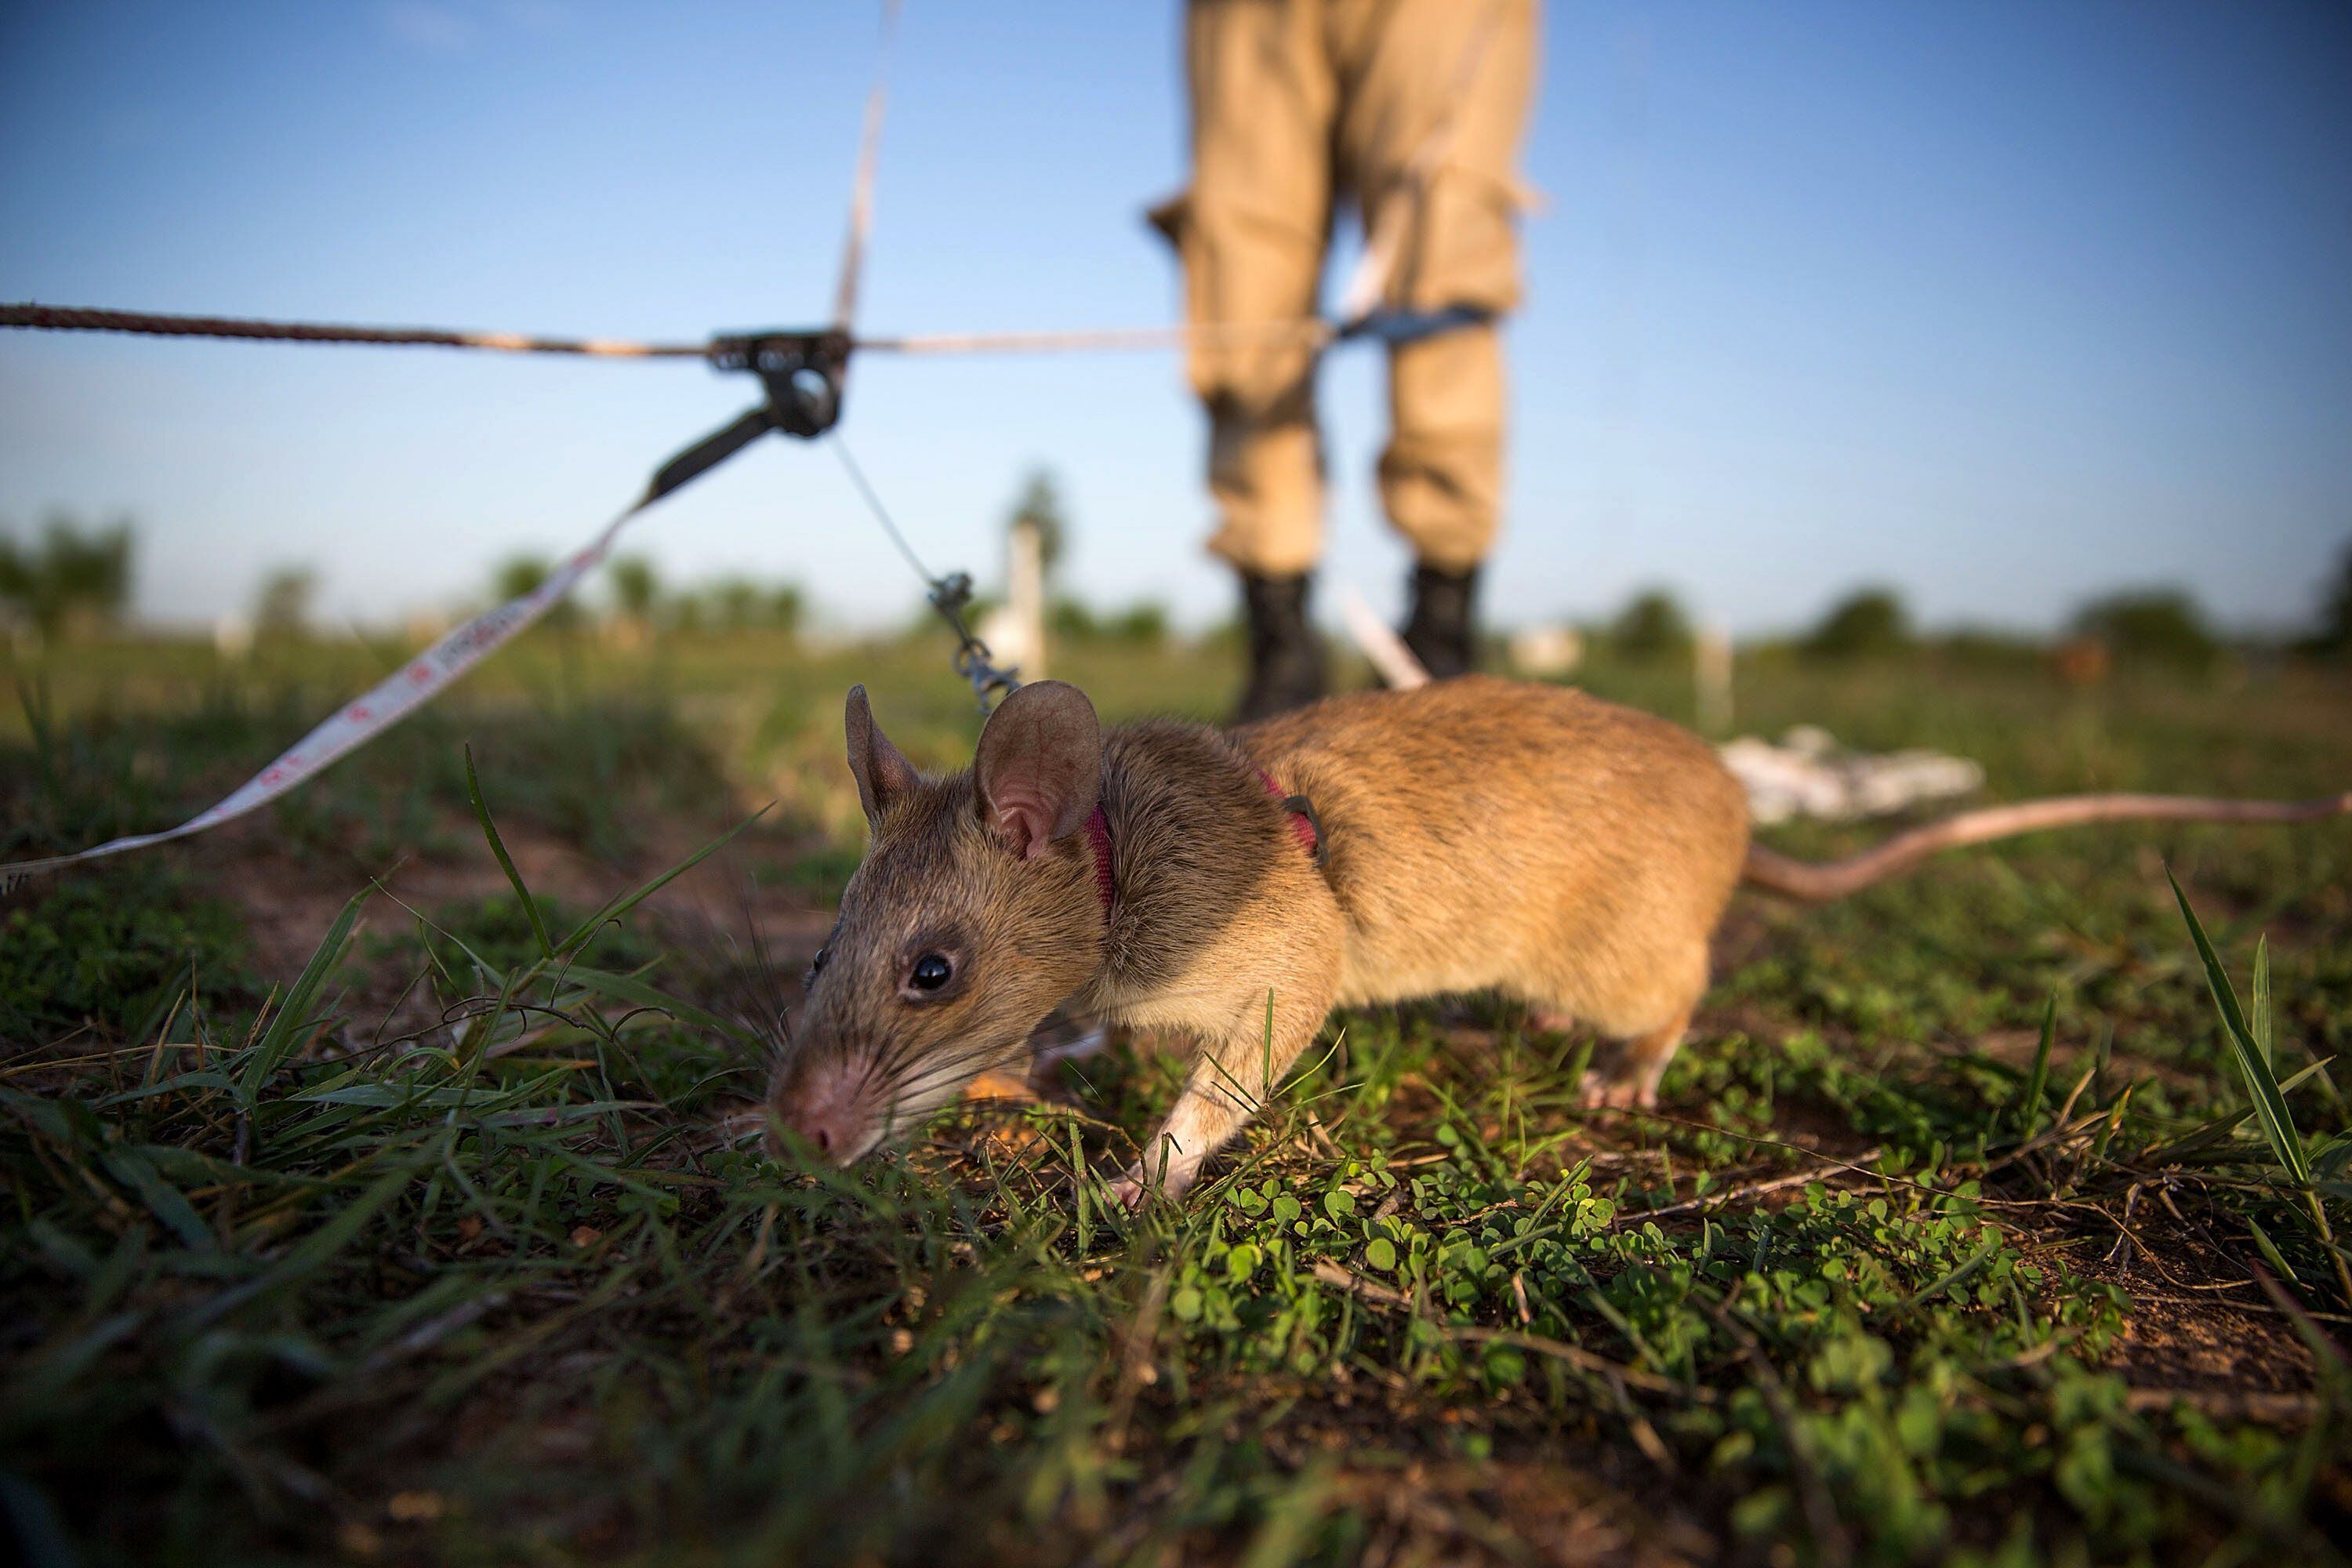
(1599, 1091)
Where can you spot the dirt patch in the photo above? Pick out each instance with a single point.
(2183, 1343)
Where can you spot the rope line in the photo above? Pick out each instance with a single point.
(418, 682)
(76, 319)
(1311, 331)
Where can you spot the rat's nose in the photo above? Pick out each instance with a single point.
(825, 1108)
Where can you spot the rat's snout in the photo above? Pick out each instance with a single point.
(826, 1104)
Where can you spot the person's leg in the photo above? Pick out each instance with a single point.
(1441, 482)
(1468, 66)
(1251, 231)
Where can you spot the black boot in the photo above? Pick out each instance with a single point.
(1285, 656)
(1442, 633)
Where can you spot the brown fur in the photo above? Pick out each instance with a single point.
(1482, 835)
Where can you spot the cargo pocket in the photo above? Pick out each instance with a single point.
(1462, 247)
(1245, 266)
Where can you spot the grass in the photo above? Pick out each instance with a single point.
(380, 1184)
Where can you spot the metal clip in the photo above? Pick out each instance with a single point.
(950, 596)
(804, 372)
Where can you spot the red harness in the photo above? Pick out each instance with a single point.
(1303, 822)
(1098, 836)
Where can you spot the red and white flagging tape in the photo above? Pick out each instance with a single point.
(416, 682)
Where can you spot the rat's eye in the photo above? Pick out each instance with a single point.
(932, 970)
(816, 964)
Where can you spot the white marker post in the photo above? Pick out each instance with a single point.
(1711, 660)
(1025, 593)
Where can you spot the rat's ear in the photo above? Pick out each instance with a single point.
(883, 772)
(1040, 767)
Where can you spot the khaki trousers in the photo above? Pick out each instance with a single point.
(1298, 104)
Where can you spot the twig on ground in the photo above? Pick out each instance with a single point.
(1752, 1190)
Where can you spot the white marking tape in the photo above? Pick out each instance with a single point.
(393, 698)
(1391, 660)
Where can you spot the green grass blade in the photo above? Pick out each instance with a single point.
(630, 989)
(2261, 1020)
(2036, 1084)
(2271, 1253)
(131, 1167)
(313, 1251)
(1081, 1193)
(2262, 1084)
(1959, 1275)
(505, 861)
(285, 1031)
(628, 902)
(2218, 1128)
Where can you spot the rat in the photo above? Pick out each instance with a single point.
(1231, 886)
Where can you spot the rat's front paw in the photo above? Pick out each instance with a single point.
(1135, 1184)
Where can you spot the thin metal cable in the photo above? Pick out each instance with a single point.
(874, 504)
(948, 596)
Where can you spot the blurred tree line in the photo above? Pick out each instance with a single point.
(73, 580)
(2160, 627)
(639, 603)
(69, 581)
(2334, 636)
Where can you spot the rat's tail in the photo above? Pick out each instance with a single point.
(1820, 882)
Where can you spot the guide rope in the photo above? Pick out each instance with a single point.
(1314, 331)
(78, 318)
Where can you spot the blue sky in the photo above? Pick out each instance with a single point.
(2006, 304)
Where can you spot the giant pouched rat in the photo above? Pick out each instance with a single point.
(1232, 887)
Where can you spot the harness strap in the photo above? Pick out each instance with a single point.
(1303, 820)
(1099, 839)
